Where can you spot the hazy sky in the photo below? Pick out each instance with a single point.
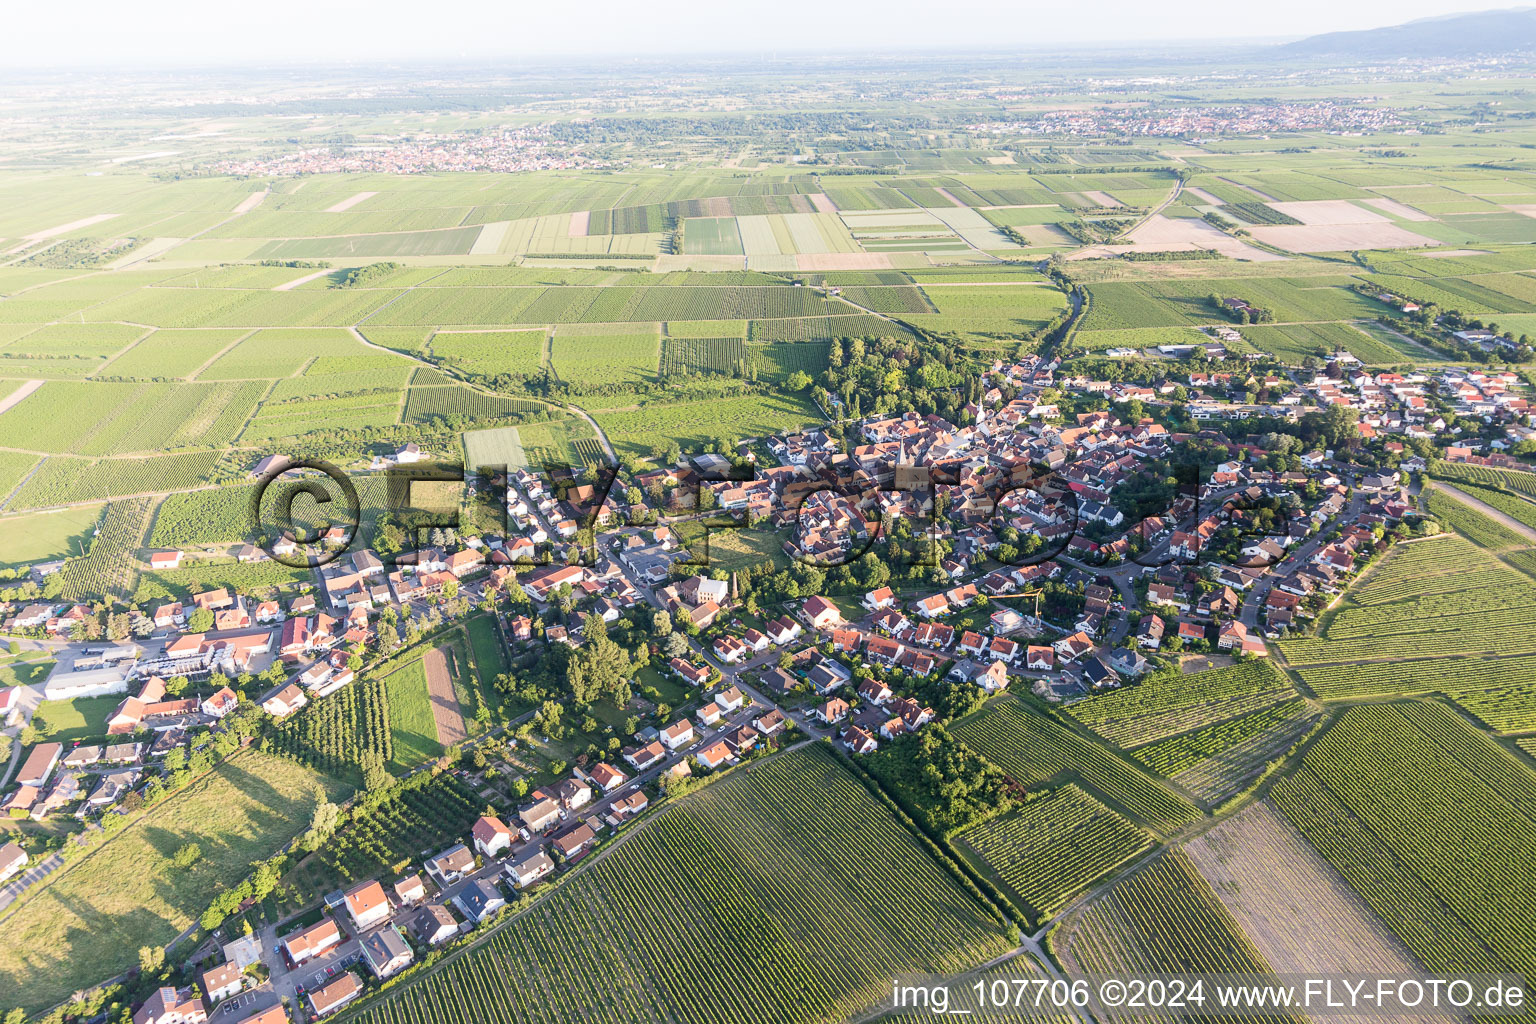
(199, 32)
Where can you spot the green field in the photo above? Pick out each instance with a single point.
(411, 726)
(88, 920)
(43, 536)
(78, 719)
(1393, 796)
(873, 901)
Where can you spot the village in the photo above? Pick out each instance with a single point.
(929, 567)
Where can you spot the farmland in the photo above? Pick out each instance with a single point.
(1278, 889)
(1441, 598)
(795, 903)
(1055, 847)
(1163, 919)
(413, 733)
(1034, 750)
(1392, 795)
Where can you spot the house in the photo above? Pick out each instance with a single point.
(542, 815)
(607, 778)
(709, 714)
(858, 741)
(993, 678)
(335, 995)
(12, 859)
(1149, 633)
(783, 631)
(221, 982)
(874, 691)
(730, 650)
(693, 674)
(933, 607)
(1073, 647)
(367, 905)
(165, 560)
(574, 841)
(243, 952)
(312, 941)
(628, 806)
(729, 699)
(40, 764)
(479, 900)
(285, 701)
(574, 793)
(880, 600)
(433, 925)
(410, 889)
(1039, 659)
(770, 724)
(529, 867)
(385, 952)
(449, 866)
(168, 1006)
(220, 704)
(833, 711)
(1191, 631)
(1127, 662)
(490, 834)
(714, 755)
(678, 734)
(821, 613)
(642, 758)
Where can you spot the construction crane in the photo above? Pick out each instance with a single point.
(1036, 594)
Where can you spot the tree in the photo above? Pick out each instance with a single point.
(798, 381)
(151, 959)
(200, 621)
(186, 855)
(661, 624)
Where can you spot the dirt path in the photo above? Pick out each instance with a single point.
(446, 714)
(1503, 519)
(20, 393)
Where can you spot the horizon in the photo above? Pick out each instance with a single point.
(182, 35)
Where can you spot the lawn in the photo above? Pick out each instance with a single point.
(87, 921)
(490, 656)
(25, 669)
(412, 729)
(42, 536)
(78, 719)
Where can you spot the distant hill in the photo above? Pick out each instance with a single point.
(1455, 35)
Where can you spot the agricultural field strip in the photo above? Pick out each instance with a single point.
(738, 869)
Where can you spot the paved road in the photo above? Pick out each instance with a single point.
(35, 872)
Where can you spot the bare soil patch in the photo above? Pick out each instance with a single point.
(446, 713)
(1397, 209)
(1339, 237)
(1292, 904)
(822, 202)
(1101, 198)
(580, 220)
(349, 202)
(812, 261)
(1204, 196)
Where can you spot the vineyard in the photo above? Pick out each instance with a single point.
(1295, 908)
(1169, 703)
(1179, 754)
(339, 734)
(1395, 797)
(680, 356)
(1426, 600)
(1484, 476)
(1222, 773)
(1258, 213)
(769, 877)
(110, 567)
(1033, 749)
(1164, 919)
(1470, 523)
(1517, 508)
(426, 812)
(1055, 847)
